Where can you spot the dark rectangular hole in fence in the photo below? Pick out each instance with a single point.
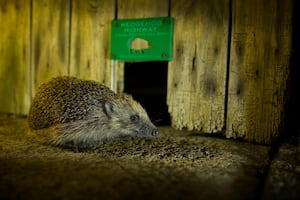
(147, 83)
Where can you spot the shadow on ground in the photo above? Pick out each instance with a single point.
(176, 165)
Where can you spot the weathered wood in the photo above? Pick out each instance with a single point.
(137, 9)
(197, 74)
(259, 57)
(14, 56)
(50, 40)
(260, 54)
(142, 8)
(90, 38)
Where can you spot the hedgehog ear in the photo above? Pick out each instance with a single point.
(108, 108)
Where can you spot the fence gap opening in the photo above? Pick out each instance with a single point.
(147, 83)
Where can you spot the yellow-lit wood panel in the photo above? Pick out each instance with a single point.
(14, 56)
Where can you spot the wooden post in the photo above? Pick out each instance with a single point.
(259, 61)
(50, 40)
(90, 38)
(197, 74)
(14, 56)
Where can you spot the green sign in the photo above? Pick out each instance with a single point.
(146, 39)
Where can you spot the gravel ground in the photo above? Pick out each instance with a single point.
(176, 165)
(283, 180)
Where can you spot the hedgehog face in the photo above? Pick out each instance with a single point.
(128, 117)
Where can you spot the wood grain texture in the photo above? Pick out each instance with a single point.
(90, 38)
(50, 40)
(197, 74)
(14, 56)
(260, 54)
(142, 8)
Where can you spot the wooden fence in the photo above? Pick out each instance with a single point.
(229, 69)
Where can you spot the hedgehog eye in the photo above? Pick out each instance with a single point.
(135, 118)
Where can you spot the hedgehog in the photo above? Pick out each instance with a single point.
(81, 114)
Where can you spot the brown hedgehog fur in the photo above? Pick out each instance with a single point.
(83, 113)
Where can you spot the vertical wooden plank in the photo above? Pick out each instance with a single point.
(14, 56)
(137, 9)
(142, 8)
(90, 38)
(50, 40)
(197, 74)
(260, 54)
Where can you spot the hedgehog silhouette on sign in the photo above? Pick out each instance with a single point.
(84, 114)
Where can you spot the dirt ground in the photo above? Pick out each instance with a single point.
(176, 165)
